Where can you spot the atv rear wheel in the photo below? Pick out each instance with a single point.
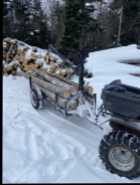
(120, 152)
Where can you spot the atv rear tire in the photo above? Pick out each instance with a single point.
(120, 152)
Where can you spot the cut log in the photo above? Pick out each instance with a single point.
(30, 67)
(64, 73)
(55, 79)
(48, 58)
(53, 67)
(34, 56)
(71, 86)
(52, 97)
(58, 100)
(61, 91)
(11, 51)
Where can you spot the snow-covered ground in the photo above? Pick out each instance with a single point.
(40, 146)
(106, 66)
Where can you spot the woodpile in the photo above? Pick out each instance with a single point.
(56, 89)
(63, 87)
(13, 51)
(9, 49)
(65, 73)
(27, 59)
(53, 79)
(48, 58)
(30, 67)
(18, 56)
(11, 69)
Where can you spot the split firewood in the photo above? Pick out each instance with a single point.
(4, 50)
(30, 61)
(48, 58)
(12, 51)
(22, 55)
(30, 67)
(22, 68)
(53, 67)
(17, 57)
(33, 58)
(11, 69)
(18, 51)
(88, 89)
(4, 71)
(64, 73)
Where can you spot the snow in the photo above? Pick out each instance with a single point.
(47, 5)
(106, 67)
(44, 146)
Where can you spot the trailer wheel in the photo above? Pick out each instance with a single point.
(36, 101)
(120, 152)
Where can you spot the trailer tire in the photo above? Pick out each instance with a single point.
(126, 148)
(36, 101)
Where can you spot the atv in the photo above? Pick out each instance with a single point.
(120, 149)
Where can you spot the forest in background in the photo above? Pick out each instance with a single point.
(71, 25)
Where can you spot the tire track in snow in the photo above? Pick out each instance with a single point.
(34, 129)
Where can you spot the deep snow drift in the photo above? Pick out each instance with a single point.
(40, 146)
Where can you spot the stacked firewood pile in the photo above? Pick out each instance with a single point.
(9, 52)
(18, 56)
(57, 67)
(15, 57)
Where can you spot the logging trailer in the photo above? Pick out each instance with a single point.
(67, 96)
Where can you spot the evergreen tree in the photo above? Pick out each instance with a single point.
(78, 23)
(130, 20)
(37, 25)
(56, 23)
(8, 25)
(25, 21)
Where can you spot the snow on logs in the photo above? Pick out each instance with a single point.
(18, 55)
(63, 87)
(20, 58)
(55, 84)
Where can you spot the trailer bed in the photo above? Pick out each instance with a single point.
(63, 93)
